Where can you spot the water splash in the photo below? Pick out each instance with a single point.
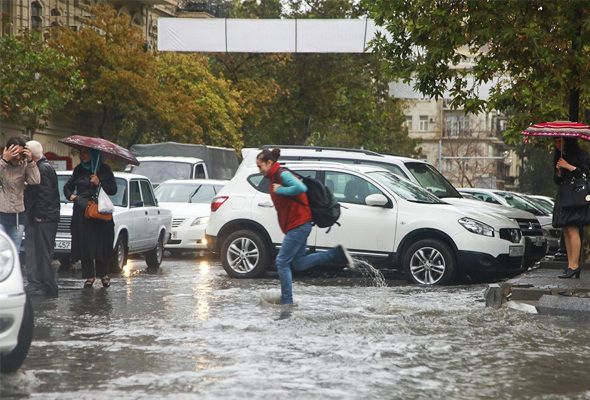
(369, 272)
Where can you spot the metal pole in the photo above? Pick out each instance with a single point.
(440, 155)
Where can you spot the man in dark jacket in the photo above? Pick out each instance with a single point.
(42, 207)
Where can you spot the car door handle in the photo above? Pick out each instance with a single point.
(266, 205)
(146, 213)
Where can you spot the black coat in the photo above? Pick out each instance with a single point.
(42, 200)
(577, 216)
(91, 238)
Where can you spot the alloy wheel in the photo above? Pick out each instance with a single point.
(243, 255)
(427, 265)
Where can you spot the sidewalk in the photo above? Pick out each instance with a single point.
(541, 291)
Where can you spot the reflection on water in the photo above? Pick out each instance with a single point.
(190, 332)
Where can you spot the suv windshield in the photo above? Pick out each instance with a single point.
(430, 179)
(160, 171)
(520, 203)
(404, 189)
(186, 192)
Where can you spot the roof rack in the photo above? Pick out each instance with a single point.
(320, 148)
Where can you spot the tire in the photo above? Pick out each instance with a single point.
(153, 258)
(120, 254)
(429, 262)
(245, 254)
(12, 361)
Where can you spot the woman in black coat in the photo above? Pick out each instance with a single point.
(92, 239)
(571, 164)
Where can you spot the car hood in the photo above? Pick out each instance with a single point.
(187, 210)
(67, 209)
(508, 212)
(495, 220)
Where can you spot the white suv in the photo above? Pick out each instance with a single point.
(384, 218)
(422, 174)
(16, 313)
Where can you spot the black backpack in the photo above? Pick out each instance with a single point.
(325, 209)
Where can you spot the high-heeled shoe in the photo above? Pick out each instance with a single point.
(570, 273)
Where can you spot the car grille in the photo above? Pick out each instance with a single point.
(176, 222)
(555, 233)
(64, 225)
(512, 235)
(530, 227)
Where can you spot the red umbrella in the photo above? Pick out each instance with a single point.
(559, 129)
(106, 148)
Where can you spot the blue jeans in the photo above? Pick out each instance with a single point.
(15, 233)
(293, 257)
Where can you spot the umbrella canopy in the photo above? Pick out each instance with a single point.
(559, 129)
(106, 148)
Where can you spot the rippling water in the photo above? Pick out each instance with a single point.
(191, 332)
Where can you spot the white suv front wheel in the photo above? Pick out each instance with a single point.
(245, 254)
(429, 262)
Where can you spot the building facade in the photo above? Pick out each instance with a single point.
(467, 149)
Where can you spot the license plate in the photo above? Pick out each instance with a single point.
(63, 245)
(516, 251)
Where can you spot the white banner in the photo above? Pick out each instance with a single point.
(266, 35)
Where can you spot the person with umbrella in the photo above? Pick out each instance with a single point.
(92, 239)
(572, 164)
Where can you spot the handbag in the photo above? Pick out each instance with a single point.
(575, 193)
(105, 205)
(94, 207)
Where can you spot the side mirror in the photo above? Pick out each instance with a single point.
(137, 203)
(376, 200)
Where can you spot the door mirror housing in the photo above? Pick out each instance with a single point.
(376, 200)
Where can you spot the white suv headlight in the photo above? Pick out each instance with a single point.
(7, 257)
(476, 227)
(200, 221)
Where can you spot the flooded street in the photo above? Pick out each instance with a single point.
(191, 332)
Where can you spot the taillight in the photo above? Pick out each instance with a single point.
(218, 202)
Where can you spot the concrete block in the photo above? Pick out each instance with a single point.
(570, 306)
(497, 294)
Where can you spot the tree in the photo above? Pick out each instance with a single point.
(533, 52)
(133, 95)
(315, 99)
(35, 81)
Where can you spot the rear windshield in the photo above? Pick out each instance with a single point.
(160, 171)
(432, 180)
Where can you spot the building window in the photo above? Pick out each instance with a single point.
(409, 122)
(55, 12)
(423, 123)
(36, 15)
(456, 125)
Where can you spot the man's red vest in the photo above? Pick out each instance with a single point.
(291, 213)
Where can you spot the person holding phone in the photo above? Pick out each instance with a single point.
(17, 169)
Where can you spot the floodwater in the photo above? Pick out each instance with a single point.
(190, 332)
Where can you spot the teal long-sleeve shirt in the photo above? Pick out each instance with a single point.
(291, 186)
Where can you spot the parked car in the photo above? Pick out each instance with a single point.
(190, 203)
(518, 201)
(422, 174)
(141, 226)
(548, 201)
(385, 218)
(163, 161)
(16, 312)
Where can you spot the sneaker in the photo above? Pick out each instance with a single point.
(346, 256)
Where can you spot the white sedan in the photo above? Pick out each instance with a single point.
(141, 226)
(16, 313)
(190, 203)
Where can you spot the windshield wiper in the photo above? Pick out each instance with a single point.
(190, 198)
